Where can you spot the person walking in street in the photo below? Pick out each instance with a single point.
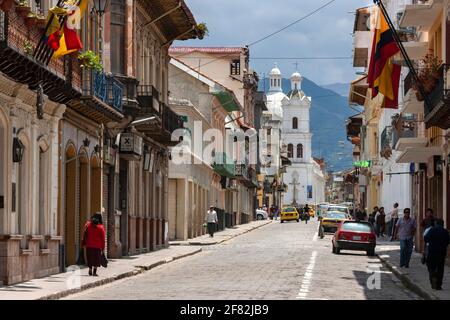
(405, 230)
(94, 242)
(429, 219)
(438, 240)
(306, 213)
(276, 212)
(211, 219)
(426, 225)
(380, 220)
(373, 215)
(272, 211)
(394, 219)
(388, 228)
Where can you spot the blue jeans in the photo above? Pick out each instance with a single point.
(389, 228)
(406, 248)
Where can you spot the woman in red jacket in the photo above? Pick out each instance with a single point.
(94, 242)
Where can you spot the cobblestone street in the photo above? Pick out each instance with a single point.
(277, 261)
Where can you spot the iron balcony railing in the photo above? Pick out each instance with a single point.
(404, 127)
(171, 120)
(440, 91)
(105, 88)
(149, 99)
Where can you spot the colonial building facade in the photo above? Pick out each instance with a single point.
(83, 141)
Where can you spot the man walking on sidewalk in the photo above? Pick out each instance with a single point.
(394, 219)
(438, 240)
(405, 230)
(211, 219)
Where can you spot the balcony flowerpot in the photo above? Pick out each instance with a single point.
(30, 21)
(41, 22)
(6, 5)
(23, 11)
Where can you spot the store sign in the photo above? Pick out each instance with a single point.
(362, 164)
(131, 145)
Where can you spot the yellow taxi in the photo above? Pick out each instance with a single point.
(289, 213)
(331, 220)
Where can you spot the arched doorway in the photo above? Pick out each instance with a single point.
(83, 187)
(96, 186)
(3, 170)
(71, 205)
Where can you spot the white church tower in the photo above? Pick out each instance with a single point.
(304, 178)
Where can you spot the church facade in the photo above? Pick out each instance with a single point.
(304, 178)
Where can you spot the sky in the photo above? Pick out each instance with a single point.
(327, 33)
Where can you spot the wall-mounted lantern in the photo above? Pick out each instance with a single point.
(18, 149)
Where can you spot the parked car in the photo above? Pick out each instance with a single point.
(355, 235)
(339, 208)
(289, 213)
(330, 222)
(261, 214)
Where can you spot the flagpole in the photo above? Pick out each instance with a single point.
(405, 55)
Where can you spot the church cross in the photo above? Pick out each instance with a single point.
(295, 184)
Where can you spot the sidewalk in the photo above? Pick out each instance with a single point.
(416, 276)
(63, 284)
(222, 236)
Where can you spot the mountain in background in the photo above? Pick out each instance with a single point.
(342, 88)
(329, 111)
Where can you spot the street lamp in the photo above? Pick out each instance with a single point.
(100, 8)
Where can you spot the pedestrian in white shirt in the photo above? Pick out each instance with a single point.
(211, 219)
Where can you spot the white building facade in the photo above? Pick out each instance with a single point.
(304, 178)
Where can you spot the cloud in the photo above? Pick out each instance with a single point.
(326, 33)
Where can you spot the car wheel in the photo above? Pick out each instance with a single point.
(298, 220)
(338, 250)
(370, 253)
(282, 221)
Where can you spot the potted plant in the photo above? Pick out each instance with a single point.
(28, 47)
(202, 30)
(90, 60)
(429, 74)
(31, 19)
(41, 21)
(23, 8)
(6, 5)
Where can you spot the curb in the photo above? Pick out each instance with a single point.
(136, 271)
(223, 240)
(407, 282)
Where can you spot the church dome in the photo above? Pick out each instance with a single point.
(275, 72)
(296, 76)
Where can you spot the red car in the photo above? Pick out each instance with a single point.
(355, 235)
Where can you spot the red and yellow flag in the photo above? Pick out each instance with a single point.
(65, 40)
(384, 76)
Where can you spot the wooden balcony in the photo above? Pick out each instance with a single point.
(31, 68)
(438, 113)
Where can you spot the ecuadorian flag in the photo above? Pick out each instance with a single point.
(65, 40)
(384, 76)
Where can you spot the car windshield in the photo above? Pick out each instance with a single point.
(340, 209)
(357, 226)
(288, 209)
(336, 215)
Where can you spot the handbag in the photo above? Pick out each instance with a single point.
(81, 260)
(103, 261)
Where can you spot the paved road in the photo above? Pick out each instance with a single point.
(277, 261)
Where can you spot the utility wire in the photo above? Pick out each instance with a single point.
(291, 24)
(262, 39)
